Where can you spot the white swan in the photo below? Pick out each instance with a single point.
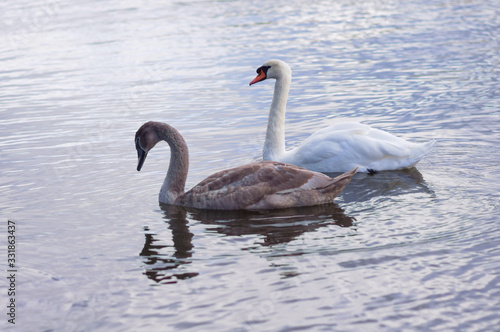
(262, 185)
(336, 148)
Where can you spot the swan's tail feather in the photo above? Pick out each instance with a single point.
(338, 183)
(420, 151)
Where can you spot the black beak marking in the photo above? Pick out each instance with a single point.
(263, 68)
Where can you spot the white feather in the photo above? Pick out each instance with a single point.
(336, 148)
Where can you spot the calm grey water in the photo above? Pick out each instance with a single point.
(411, 250)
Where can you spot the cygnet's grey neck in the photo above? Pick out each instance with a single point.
(173, 185)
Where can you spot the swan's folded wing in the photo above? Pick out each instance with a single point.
(356, 142)
(247, 185)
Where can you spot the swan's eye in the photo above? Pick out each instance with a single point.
(263, 68)
(138, 143)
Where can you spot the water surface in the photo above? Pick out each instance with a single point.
(406, 250)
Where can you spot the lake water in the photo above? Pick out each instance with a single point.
(407, 250)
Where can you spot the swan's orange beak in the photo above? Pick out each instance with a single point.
(260, 77)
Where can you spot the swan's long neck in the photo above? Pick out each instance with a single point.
(173, 185)
(274, 145)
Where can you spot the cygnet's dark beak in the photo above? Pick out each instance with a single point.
(141, 154)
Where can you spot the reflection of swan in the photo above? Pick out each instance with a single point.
(156, 262)
(277, 226)
(263, 185)
(337, 148)
(364, 187)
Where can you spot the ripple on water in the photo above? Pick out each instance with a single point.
(415, 249)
